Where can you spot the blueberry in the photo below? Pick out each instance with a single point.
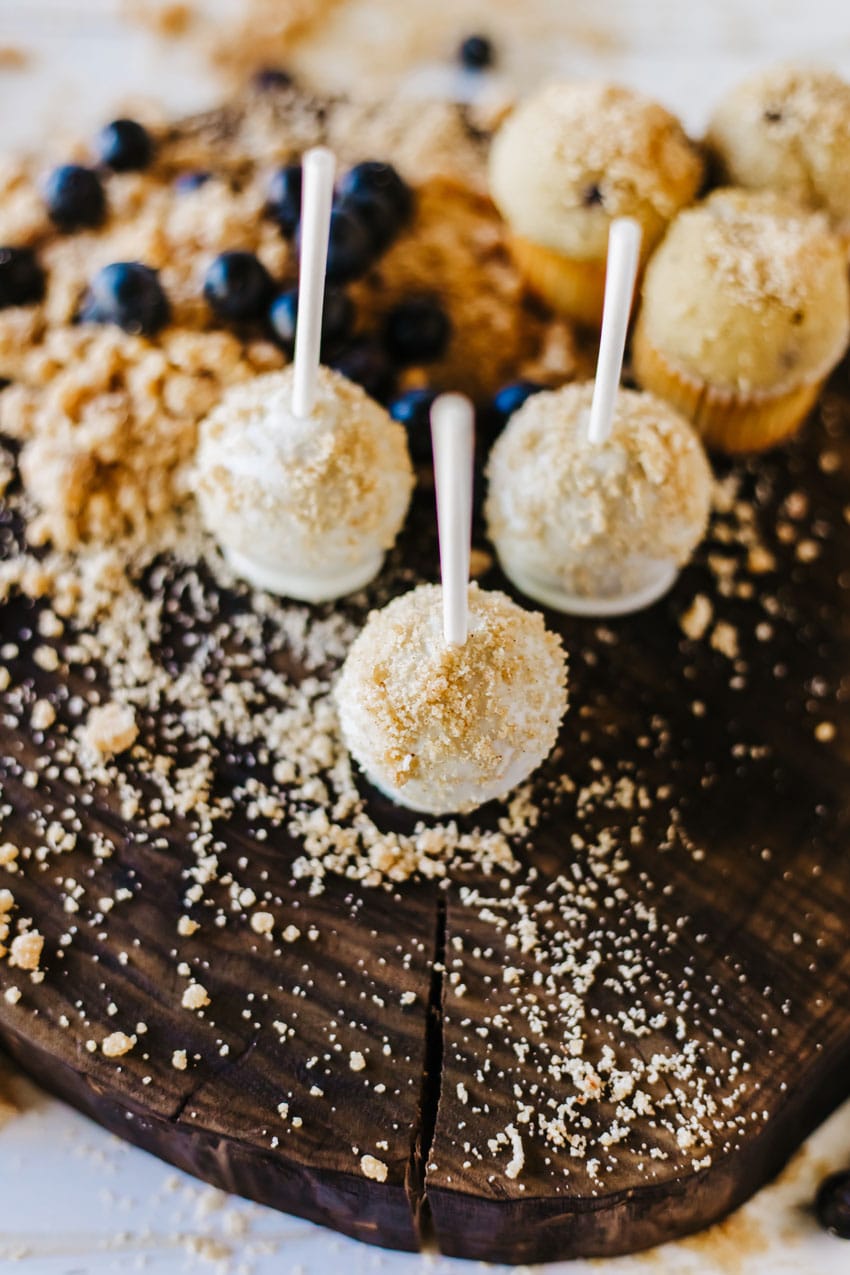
(21, 277)
(337, 318)
(129, 294)
(380, 196)
(270, 78)
(476, 52)
(416, 331)
(832, 1204)
(238, 286)
(413, 411)
(283, 314)
(74, 197)
(510, 397)
(186, 182)
(350, 246)
(365, 362)
(284, 198)
(124, 145)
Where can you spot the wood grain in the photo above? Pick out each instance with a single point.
(753, 882)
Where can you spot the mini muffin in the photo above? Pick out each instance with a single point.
(569, 160)
(596, 528)
(745, 311)
(788, 130)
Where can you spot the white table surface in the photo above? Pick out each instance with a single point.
(73, 1199)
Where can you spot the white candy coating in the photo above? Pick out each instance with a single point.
(596, 529)
(303, 507)
(443, 728)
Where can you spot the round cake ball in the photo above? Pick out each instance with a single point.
(305, 507)
(442, 728)
(570, 159)
(787, 129)
(596, 528)
(745, 310)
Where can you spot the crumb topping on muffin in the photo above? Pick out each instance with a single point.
(786, 129)
(748, 292)
(575, 155)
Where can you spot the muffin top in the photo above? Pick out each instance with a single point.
(573, 156)
(787, 130)
(748, 292)
(560, 502)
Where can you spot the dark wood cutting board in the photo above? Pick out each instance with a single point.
(612, 1046)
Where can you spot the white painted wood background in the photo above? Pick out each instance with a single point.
(74, 1200)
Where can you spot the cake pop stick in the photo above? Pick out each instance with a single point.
(318, 178)
(452, 436)
(621, 272)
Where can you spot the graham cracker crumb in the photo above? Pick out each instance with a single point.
(373, 1168)
(25, 950)
(117, 1044)
(111, 729)
(195, 997)
(697, 618)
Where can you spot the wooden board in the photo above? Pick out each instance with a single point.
(708, 952)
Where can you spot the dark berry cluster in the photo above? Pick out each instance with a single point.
(75, 196)
(371, 206)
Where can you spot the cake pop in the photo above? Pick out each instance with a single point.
(304, 480)
(452, 695)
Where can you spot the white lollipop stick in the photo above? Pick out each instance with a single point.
(452, 439)
(316, 199)
(620, 275)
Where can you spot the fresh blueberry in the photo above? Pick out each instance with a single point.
(21, 277)
(129, 294)
(186, 182)
(413, 411)
(365, 362)
(74, 197)
(510, 398)
(238, 286)
(271, 77)
(416, 331)
(283, 315)
(124, 145)
(350, 248)
(476, 52)
(832, 1204)
(337, 318)
(284, 198)
(381, 197)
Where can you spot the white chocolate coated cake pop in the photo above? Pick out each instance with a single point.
(451, 696)
(598, 495)
(303, 506)
(303, 479)
(589, 529)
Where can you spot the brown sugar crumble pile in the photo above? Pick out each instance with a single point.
(172, 764)
(108, 420)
